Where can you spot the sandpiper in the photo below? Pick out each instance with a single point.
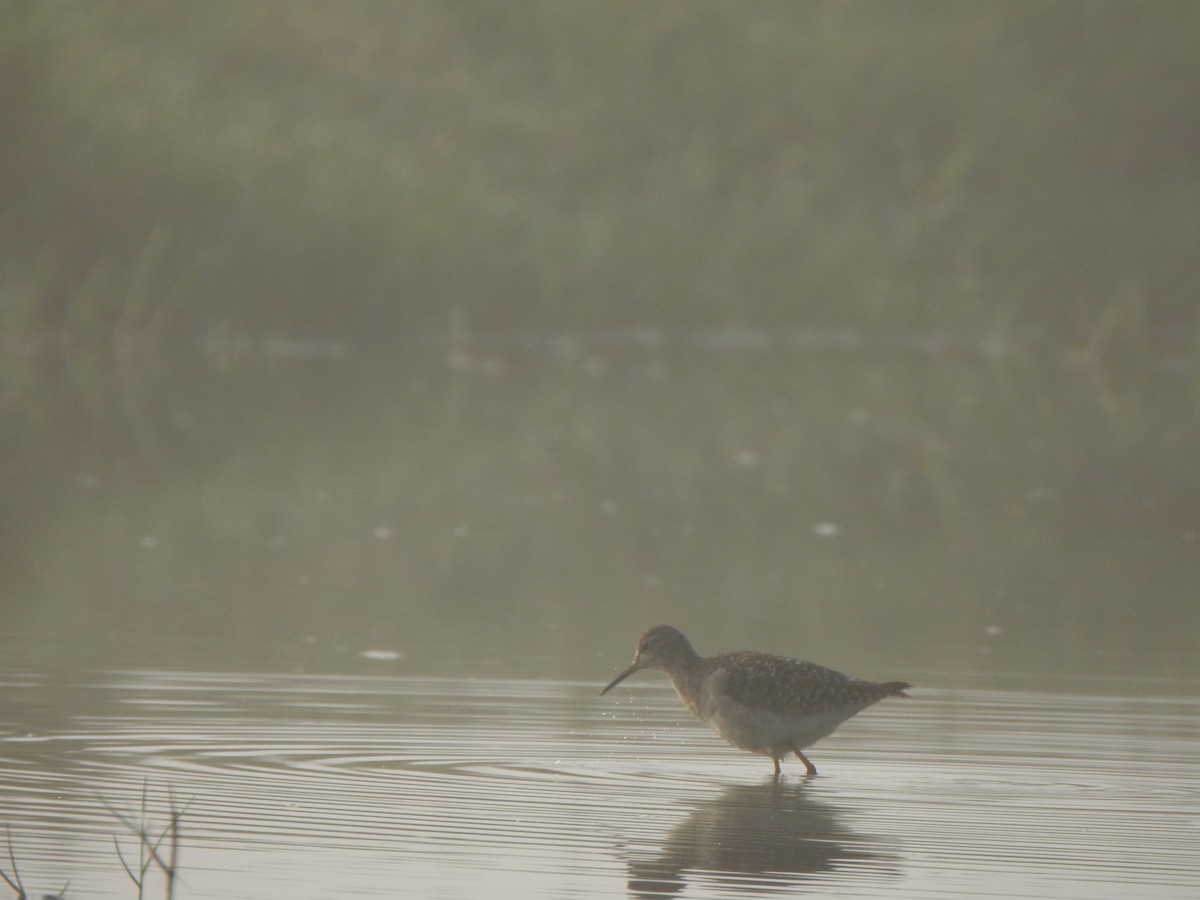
(759, 702)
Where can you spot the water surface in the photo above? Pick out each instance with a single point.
(320, 786)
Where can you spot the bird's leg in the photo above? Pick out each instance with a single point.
(809, 768)
(775, 759)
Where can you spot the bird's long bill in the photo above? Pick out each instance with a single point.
(612, 684)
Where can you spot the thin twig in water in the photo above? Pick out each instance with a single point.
(175, 815)
(15, 881)
(149, 849)
(139, 879)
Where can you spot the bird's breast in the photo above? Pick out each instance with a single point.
(761, 730)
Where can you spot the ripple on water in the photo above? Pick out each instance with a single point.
(319, 786)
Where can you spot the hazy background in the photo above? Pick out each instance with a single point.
(489, 334)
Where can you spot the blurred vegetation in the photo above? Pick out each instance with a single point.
(377, 179)
(344, 167)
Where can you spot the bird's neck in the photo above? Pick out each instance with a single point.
(687, 677)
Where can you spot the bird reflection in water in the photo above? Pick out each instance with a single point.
(765, 837)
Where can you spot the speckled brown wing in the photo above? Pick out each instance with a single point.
(792, 686)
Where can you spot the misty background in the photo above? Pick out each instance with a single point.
(489, 334)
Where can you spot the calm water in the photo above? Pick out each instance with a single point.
(307, 786)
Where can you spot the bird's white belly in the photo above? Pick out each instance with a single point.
(772, 734)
